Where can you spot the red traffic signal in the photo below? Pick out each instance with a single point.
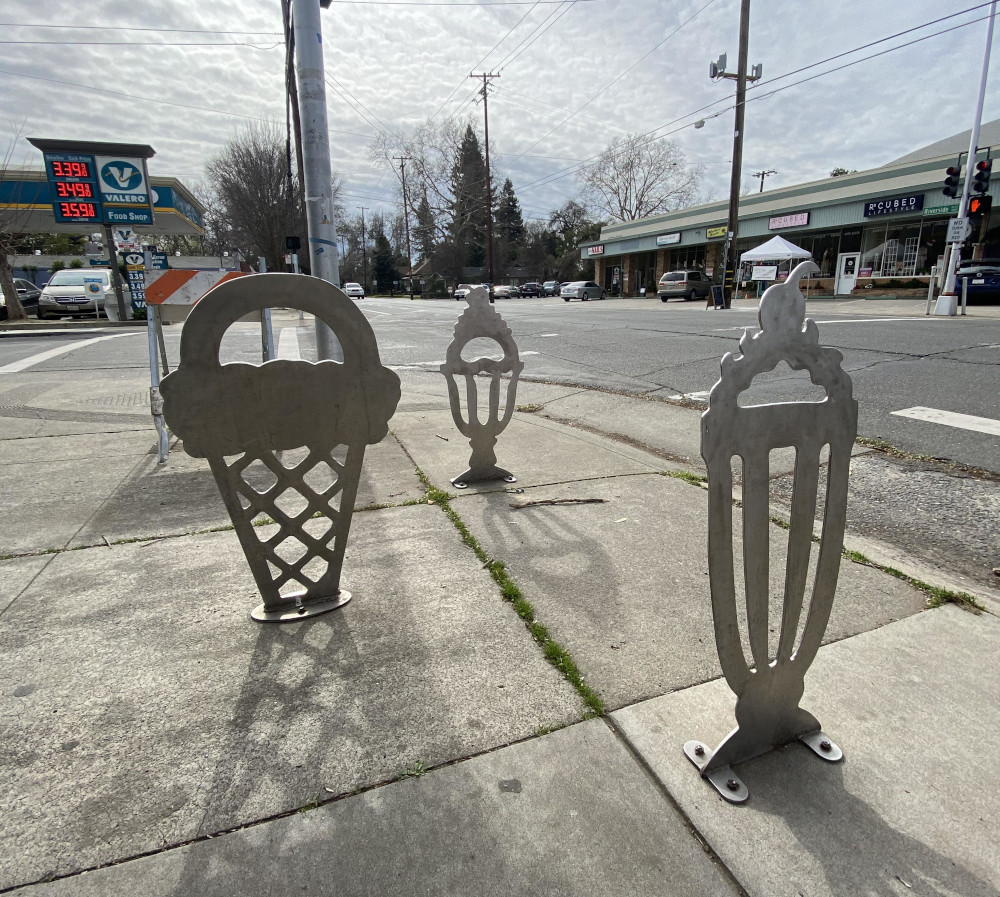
(981, 179)
(952, 175)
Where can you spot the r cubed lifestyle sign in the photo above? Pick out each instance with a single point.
(894, 205)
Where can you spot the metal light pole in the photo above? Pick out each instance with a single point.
(317, 176)
(729, 269)
(947, 302)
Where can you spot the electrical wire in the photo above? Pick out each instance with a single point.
(481, 61)
(155, 30)
(132, 96)
(569, 170)
(534, 35)
(122, 43)
(623, 74)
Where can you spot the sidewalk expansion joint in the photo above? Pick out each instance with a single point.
(553, 652)
(688, 824)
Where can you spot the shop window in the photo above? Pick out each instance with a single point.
(873, 255)
(930, 251)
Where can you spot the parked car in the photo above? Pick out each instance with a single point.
(684, 285)
(552, 287)
(462, 290)
(983, 277)
(354, 290)
(532, 289)
(76, 291)
(506, 292)
(582, 290)
(27, 292)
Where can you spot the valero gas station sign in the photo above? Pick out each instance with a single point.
(98, 183)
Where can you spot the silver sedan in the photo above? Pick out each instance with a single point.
(582, 290)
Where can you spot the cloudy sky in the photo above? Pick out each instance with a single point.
(183, 76)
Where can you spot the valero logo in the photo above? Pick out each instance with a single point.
(121, 175)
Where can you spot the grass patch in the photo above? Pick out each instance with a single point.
(554, 653)
(528, 409)
(936, 596)
(415, 771)
(695, 479)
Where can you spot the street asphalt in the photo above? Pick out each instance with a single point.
(425, 738)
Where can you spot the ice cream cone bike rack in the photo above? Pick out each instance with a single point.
(285, 439)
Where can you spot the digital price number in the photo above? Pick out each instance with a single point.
(73, 183)
(71, 169)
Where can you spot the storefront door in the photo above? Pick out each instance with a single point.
(847, 272)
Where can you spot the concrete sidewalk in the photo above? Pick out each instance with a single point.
(423, 739)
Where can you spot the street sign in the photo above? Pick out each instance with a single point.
(958, 229)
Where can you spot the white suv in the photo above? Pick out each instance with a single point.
(354, 290)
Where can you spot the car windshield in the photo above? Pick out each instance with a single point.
(358, 285)
(675, 275)
(76, 278)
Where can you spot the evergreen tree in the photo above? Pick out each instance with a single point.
(468, 189)
(424, 233)
(508, 227)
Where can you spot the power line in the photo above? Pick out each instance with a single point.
(481, 61)
(534, 35)
(132, 96)
(155, 30)
(622, 75)
(558, 175)
(126, 43)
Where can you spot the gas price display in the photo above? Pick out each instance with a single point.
(73, 183)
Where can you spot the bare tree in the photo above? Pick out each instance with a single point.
(634, 178)
(431, 150)
(253, 200)
(12, 221)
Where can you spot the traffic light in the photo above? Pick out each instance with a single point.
(981, 179)
(952, 174)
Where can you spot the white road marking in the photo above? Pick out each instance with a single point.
(698, 396)
(838, 321)
(288, 344)
(548, 334)
(952, 419)
(16, 366)
(417, 364)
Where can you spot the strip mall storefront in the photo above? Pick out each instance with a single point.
(875, 229)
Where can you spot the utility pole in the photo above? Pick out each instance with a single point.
(486, 76)
(947, 302)
(406, 218)
(762, 175)
(317, 177)
(717, 70)
(364, 251)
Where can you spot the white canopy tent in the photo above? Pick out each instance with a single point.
(776, 249)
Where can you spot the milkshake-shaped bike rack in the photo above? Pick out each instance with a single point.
(769, 686)
(285, 439)
(481, 320)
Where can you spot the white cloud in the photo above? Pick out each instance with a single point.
(402, 62)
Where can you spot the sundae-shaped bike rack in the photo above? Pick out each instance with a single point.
(481, 320)
(285, 439)
(768, 688)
